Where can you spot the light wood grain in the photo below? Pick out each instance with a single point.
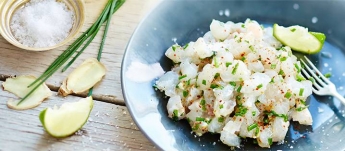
(14, 61)
(109, 127)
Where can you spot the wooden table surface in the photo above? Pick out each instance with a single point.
(110, 126)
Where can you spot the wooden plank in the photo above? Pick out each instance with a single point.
(109, 127)
(14, 61)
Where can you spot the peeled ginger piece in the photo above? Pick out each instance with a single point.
(18, 86)
(83, 77)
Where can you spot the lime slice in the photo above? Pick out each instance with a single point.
(299, 39)
(66, 120)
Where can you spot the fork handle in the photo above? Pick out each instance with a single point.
(339, 97)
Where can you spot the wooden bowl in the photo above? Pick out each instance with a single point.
(8, 7)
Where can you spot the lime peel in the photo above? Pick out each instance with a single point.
(66, 120)
(299, 39)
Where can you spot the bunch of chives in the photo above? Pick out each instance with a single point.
(111, 7)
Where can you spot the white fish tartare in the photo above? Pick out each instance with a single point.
(239, 81)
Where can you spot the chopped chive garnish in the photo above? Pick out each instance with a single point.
(299, 78)
(238, 97)
(220, 119)
(270, 142)
(301, 108)
(226, 49)
(293, 29)
(243, 58)
(181, 77)
(243, 26)
(196, 127)
(257, 130)
(301, 91)
(252, 126)
(221, 106)
(235, 69)
(328, 75)
(216, 75)
(177, 86)
(283, 59)
(235, 36)
(246, 41)
(203, 104)
(259, 86)
(216, 64)
(188, 82)
(311, 79)
(273, 66)
(185, 93)
(175, 115)
(288, 95)
(204, 82)
(227, 64)
(199, 119)
(232, 83)
(239, 88)
(273, 113)
(297, 67)
(241, 111)
(173, 48)
(253, 113)
(251, 48)
(213, 86)
(281, 72)
(272, 80)
(282, 48)
(303, 102)
(185, 46)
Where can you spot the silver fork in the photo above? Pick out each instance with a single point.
(322, 86)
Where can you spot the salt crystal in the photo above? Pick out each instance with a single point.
(221, 12)
(295, 6)
(42, 23)
(314, 20)
(320, 110)
(227, 12)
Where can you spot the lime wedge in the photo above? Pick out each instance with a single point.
(66, 120)
(299, 39)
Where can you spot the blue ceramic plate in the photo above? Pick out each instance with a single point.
(185, 21)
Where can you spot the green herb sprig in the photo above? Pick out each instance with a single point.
(111, 7)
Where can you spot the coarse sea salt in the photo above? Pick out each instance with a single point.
(42, 23)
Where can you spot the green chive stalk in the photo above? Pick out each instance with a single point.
(111, 7)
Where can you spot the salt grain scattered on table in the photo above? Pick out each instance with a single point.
(42, 23)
